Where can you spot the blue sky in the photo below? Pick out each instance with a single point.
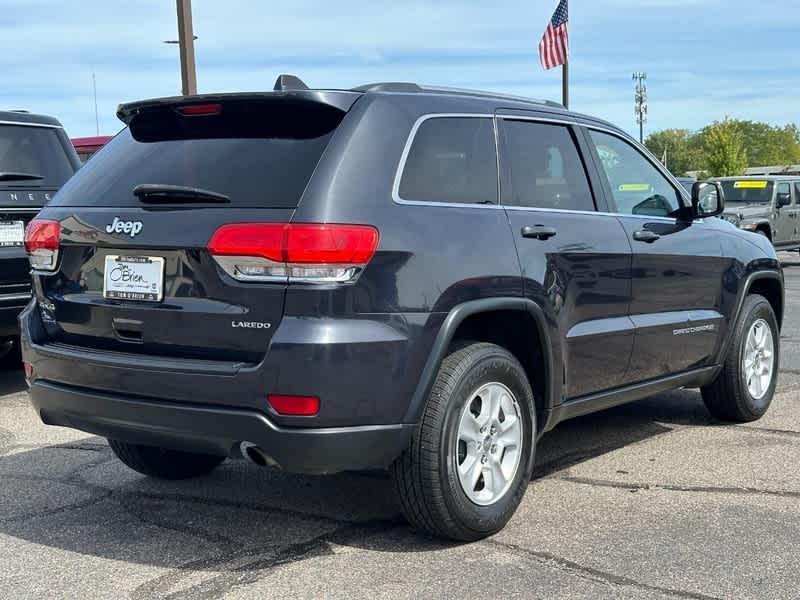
(705, 58)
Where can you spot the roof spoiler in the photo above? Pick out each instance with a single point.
(339, 100)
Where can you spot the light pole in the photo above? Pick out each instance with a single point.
(185, 41)
(640, 99)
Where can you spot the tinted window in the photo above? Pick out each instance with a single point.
(638, 188)
(452, 159)
(546, 169)
(797, 193)
(35, 151)
(258, 159)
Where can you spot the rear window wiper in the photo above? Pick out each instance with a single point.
(14, 176)
(158, 192)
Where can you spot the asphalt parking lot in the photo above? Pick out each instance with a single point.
(649, 500)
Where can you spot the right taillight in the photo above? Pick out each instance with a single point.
(294, 252)
(42, 239)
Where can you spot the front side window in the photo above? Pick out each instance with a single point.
(637, 187)
(452, 160)
(546, 169)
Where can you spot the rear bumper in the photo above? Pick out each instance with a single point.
(218, 430)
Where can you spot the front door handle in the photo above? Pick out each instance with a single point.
(539, 232)
(645, 235)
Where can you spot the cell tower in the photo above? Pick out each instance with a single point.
(640, 102)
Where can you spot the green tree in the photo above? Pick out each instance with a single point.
(682, 154)
(770, 145)
(723, 146)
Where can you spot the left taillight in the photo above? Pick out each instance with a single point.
(294, 252)
(42, 240)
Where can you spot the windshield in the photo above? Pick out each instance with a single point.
(748, 191)
(32, 157)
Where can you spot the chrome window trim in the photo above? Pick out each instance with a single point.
(407, 148)
(32, 209)
(500, 206)
(24, 124)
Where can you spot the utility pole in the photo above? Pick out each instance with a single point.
(640, 99)
(186, 43)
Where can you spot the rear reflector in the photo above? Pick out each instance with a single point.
(192, 110)
(300, 252)
(42, 239)
(298, 406)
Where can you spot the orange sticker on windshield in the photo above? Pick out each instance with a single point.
(750, 185)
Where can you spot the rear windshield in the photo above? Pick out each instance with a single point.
(32, 157)
(748, 191)
(261, 159)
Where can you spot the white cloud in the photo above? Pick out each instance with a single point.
(705, 58)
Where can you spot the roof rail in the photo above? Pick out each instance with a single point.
(399, 86)
(484, 94)
(287, 83)
(388, 86)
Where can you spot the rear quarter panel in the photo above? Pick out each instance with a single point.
(430, 257)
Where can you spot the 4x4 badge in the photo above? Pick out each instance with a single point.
(132, 228)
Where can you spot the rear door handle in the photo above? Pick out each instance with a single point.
(539, 232)
(645, 236)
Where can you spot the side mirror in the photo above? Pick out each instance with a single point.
(708, 199)
(784, 199)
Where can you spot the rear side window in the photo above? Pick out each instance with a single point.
(33, 152)
(546, 169)
(452, 159)
(260, 157)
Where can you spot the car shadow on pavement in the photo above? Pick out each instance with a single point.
(76, 496)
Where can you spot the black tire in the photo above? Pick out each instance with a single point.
(727, 397)
(162, 463)
(425, 476)
(10, 355)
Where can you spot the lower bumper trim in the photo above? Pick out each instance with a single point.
(218, 430)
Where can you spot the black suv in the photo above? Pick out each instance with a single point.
(389, 276)
(36, 158)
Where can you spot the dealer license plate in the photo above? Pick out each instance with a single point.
(12, 233)
(134, 278)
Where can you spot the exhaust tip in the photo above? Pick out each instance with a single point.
(256, 456)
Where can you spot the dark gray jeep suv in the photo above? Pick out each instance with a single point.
(390, 276)
(36, 158)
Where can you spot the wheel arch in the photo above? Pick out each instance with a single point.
(764, 226)
(458, 322)
(766, 283)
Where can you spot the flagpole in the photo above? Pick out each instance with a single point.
(565, 84)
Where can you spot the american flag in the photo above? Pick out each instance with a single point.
(554, 47)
